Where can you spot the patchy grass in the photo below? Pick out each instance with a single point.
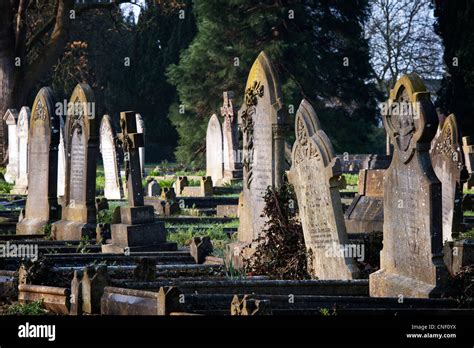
(469, 192)
(469, 213)
(351, 179)
(32, 308)
(184, 235)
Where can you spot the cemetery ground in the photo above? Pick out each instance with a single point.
(133, 273)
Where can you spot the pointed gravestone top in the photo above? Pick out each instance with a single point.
(411, 263)
(315, 173)
(448, 164)
(81, 145)
(113, 182)
(214, 159)
(41, 205)
(21, 182)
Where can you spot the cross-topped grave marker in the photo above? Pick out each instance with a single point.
(137, 230)
(130, 141)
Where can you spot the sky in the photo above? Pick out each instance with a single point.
(134, 6)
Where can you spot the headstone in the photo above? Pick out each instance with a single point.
(411, 261)
(180, 184)
(365, 214)
(315, 173)
(153, 189)
(263, 126)
(230, 132)
(113, 182)
(468, 149)
(214, 159)
(61, 161)
(10, 118)
(21, 182)
(41, 205)
(141, 130)
(137, 230)
(205, 188)
(82, 140)
(448, 164)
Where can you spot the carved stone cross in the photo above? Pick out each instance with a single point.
(131, 141)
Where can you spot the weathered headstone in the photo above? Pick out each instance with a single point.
(411, 261)
(61, 160)
(138, 230)
(263, 126)
(113, 182)
(314, 174)
(230, 133)
(141, 130)
(263, 123)
(448, 164)
(41, 204)
(82, 140)
(21, 182)
(365, 214)
(214, 159)
(10, 118)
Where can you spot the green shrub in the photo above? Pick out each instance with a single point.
(32, 308)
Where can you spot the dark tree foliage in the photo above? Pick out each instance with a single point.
(308, 42)
(455, 25)
(281, 251)
(100, 46)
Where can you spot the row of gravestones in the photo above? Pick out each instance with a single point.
(222, 155)
(18, 142)
(134, 227)
(411, 260)
(451, 160)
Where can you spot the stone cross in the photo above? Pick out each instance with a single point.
(131, 141)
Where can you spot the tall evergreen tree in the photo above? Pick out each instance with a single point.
(317, 48)
(455, 25)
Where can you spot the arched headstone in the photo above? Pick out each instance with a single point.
(21, 182)
(61, 160)
(315, 174)
(214, 159)
(263, 123)
(448, 164)
(10, 118)
(411, 261)
(113, 182)
(41, 205)
(79, 211)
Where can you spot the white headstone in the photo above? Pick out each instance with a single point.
(10, 119)
(214, 159)
(141, 150)
(113, 183)
(21, 183)
(153, 189)
(61, 159)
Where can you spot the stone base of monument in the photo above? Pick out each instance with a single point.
(138, 231)
(19, 190)
(30, 226)
(72, 230)
(384, 284)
